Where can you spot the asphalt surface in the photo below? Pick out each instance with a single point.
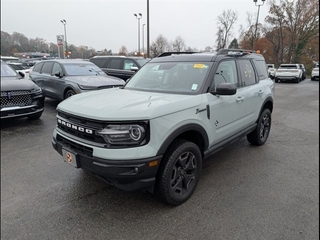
(245, 192)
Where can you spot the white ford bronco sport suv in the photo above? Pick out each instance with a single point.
(177, 110)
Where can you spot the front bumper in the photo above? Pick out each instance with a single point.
(129, 175)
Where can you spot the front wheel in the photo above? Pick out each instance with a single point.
(179, 173)
(69, 93)
(260, 135)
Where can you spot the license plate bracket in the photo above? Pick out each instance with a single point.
(70, 158)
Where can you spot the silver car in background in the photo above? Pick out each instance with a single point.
(62, 78)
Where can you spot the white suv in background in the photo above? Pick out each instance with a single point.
(289, 72)
(315, 74)
(271, 70)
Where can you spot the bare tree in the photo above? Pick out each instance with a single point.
(247, 33)
(179, 44)
(225, 23)
(123, 51)
(159, 46)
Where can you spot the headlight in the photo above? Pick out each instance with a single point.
(84, 87)
(124, 134)
(37, 90)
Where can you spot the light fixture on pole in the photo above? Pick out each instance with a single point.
(64, 22)
(258, 5)
(143, 38)
(138, 16)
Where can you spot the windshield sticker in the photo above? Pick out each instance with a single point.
(194, 86)
(199, 65)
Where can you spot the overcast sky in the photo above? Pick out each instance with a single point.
(110, 24)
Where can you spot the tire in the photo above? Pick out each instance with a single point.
(277, 80)
(35, 116)
(69, 93)
(179, 173)
(260, 135)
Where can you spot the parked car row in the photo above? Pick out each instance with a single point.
(291, 72)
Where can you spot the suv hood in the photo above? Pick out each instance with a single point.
(100, 80)
(124, 104)
(13, 83)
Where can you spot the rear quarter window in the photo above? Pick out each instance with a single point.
(37, 67)
(261, 69)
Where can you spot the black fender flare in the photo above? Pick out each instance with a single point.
(181, 130)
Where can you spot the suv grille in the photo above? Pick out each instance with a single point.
(16, 98)
(82, 123)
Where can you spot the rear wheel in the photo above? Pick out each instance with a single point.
(69, 93)
(260, 135)
(179, 173)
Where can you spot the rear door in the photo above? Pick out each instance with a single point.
(252, 92)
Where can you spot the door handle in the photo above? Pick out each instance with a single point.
(260, 92)
(239, 99)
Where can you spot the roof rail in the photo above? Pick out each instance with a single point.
(174, 53)
(227, 50)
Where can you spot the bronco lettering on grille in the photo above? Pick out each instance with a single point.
(74, 127)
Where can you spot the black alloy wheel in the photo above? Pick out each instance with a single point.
(260, 135)
(180, 172)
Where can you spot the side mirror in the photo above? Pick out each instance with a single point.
(58, 74)
(21, 74)
(134, 69)
(225, 89)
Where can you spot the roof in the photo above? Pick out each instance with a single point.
(207, 56)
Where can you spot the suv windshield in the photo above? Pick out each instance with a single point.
(7, 71)
(83, 69)
(179, 77)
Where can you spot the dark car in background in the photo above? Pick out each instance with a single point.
(19, 97)
(119, 66)
(62, 78)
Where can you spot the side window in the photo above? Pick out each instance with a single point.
(128, 64)
(226, 72)
(37, 67)
(262, 69)
(247, 72)
(115, 64)
(56, 68)
(47, 67)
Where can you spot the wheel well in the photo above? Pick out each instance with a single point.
(268, 105)
(192, 136)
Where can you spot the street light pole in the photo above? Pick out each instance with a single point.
(138, 16)
(64, 22)
(143, 39)
(148, 32)
(258, 5)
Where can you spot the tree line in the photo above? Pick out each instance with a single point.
(289, 34)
